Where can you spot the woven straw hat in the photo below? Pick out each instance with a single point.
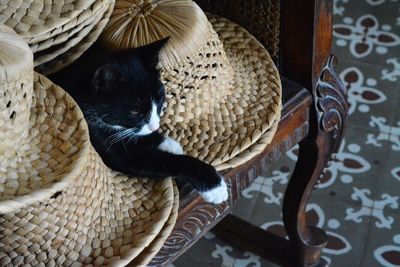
(59, 204)
(53, 28)
(223, 90)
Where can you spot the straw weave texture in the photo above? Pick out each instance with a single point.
(15, 57)
(58, 31)
(136, 23)
(71, 24)
(74, 52)
(102, 219)
(149, 252)
(260, 17)
(55, 50)
(16, 76)
(64, 33)
(50, 155)
(240, 108)
(31, 18)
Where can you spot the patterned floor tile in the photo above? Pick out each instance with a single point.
(201, 254)
(368, 93)
(374, 209)
(391, 71)
(346, 237)
(383, 247)
(388, 135)
(245, 209)
(212, 251)
(356, 165)
(267, 190)
(389, 180)
(367, 30)
(396, 110)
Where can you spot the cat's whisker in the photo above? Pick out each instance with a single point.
(114, 138)
(127, 134)
(93, 119)
(119, 137)
(100, 122)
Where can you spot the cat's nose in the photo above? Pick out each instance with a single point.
(154, 126)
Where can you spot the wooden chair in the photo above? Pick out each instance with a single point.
(298, 35)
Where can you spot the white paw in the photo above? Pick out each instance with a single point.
(217, 194)
(171, 146)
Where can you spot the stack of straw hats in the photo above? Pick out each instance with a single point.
(223, 89)
(58, 32)
(59, 204)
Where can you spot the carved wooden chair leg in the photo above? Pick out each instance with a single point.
(327, 121)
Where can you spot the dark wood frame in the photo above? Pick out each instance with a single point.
(314, 115)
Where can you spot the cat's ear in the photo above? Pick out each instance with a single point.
(149, 54)
(105, 78)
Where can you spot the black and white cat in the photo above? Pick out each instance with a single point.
(121, 97)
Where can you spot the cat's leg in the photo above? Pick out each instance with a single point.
(202, 176)
(171, 146)
(217, 194)
(161, 142)
(157, 164)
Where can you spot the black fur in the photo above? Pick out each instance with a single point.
(117, 89)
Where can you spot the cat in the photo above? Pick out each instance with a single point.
(121, 96)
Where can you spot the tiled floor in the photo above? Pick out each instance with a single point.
(358, 201)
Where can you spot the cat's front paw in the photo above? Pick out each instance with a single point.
(171, 146)
(217, 194)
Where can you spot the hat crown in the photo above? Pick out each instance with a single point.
(136, 23)
(16, 89)
(141, 8)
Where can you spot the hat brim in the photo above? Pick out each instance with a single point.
(74, 52)
(32, 19)
(55, 50)
(152, 249)
(61, 35)
(223, 136)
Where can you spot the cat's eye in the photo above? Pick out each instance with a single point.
(134, 112)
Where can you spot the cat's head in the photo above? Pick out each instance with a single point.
(127, 91)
